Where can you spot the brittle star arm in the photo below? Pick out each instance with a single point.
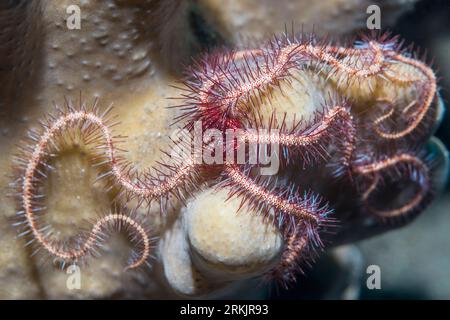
(253, 76)
(89, 121)
(424, 103)
(403, 162)
(294, 256)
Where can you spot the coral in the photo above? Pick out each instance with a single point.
(224, 91)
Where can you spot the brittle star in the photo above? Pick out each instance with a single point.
(223, 91)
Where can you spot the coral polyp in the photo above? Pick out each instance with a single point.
(356, 114)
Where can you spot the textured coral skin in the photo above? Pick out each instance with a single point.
(224, 92)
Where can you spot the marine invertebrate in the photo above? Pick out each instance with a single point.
(34, 162)
(229, 90)
(240, 91)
